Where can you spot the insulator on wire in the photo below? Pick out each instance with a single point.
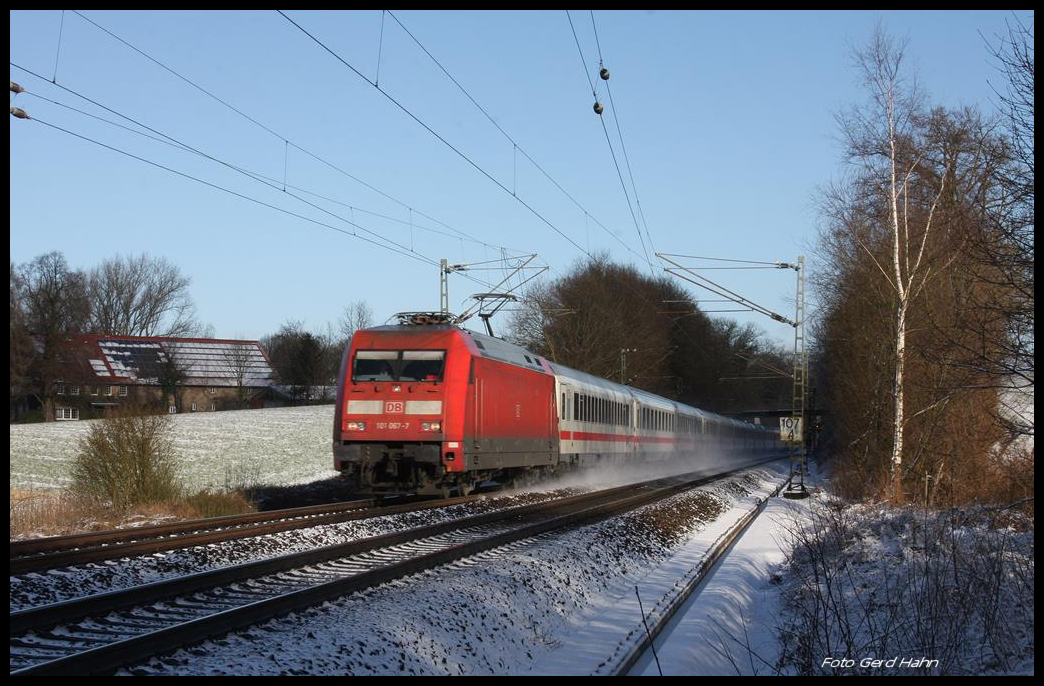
(604, 73)
(598, 107)
(15, 88)
(20, 113)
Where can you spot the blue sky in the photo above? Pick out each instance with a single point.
(727, 119)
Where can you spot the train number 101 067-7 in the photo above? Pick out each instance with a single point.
(393, 426)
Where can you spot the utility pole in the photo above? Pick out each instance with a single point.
(798, 464)
(444, 271)
(623, 363)
(793, 426)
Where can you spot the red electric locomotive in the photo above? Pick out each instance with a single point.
(434, 408)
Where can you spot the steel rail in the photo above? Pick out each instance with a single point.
(558, 514)
(64, 551)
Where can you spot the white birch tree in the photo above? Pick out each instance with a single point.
(884, 137)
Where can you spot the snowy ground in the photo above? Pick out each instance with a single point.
(821, 587)
(508, 611)
(728, 626)
(948, 592)
(273, 446)
(40, 588)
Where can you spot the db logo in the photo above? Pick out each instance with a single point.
(394, 407)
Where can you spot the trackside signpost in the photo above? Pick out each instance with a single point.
(791, 430)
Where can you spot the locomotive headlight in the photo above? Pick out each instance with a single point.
(356, 426)
(431, 426)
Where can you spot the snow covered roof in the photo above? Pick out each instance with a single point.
(206, 361)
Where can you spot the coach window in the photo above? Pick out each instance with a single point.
(576, 407)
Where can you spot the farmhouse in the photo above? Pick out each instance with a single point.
(102, 372)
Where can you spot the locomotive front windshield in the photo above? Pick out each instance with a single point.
(398, 365)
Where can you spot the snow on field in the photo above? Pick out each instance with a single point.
(272, 446)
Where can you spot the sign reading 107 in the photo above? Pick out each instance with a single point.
(790, 429)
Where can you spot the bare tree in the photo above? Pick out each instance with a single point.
(21, 348)
(357, 315)
(141, 296)
(172, 373)
(237, 360)
(884, 138)
(55, 310)
(1007, 244)
(913, 313)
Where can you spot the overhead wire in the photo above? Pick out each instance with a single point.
(330, 164)
(516, 146)
(264, 127)
(196, 151)
(287, 143)
(719, 259)
(487, 174)
(608, 140)
(215, 186)
(619, 132)
(432, 131)
(271, 181)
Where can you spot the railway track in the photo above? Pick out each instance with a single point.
(102, 632)
(625, 662)
(39, 554)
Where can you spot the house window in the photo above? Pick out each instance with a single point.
(108, 390)
(94, 390)
(172, 410)
(60, 390)
(66, 414)
(213, 407)
(193, 407)
(74, 390)
(123, 391)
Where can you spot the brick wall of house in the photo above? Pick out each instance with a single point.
(91, 401)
